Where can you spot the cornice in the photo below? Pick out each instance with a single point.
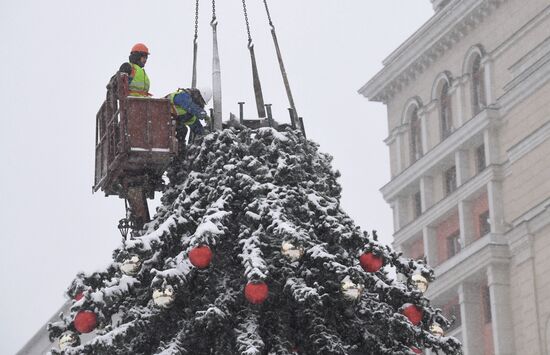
(470, 263)
(403, 128)
(412, 173)
(447, 204)
(425, 46)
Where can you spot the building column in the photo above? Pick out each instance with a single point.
(423, 117)
(462, 167)
(490, 141)
(522, 248)
(466, 222)
(400, 212)
(429, 237)
(471, 311)
(399, 151)
(494, 187)
(501, 312)
(458, 115)
(496, 212)
(487, 64)
(395, 212)
(426, 192)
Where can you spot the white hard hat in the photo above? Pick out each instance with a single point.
(206, 93)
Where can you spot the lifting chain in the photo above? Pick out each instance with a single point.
(247, 23)
(268, 14)
(196, 20)
(195, 46)
(213, 10)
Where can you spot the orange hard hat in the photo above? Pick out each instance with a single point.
(140, 47)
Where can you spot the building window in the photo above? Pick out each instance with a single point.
(487, 316)
(446, 112)
(453, 244)
(480, 158)
(484, 224)
(478, 86)
(450, 180)
(416, 136)
(417, 205)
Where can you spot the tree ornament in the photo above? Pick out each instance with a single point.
(85, 321)
(78, 296)
(292, 251)
(351, 290)
(416, 350)
(68, 339)
(370, 262)
(420, 282)
(131, 265)
(413, 313)
(200, 256)
(256, 292)
(164, 297)
(437, 330)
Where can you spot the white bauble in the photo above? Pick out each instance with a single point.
(437, 330)
(351, 290)
(131, 265)
(68, 339)
(420, 282)
(164, 297)
(291, 251)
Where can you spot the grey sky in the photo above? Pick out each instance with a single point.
(57, 57)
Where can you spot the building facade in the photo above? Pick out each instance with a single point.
(468, 102)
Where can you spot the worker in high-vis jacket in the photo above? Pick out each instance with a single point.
(188, 109)
(138, 81)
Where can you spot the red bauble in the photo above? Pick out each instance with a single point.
(256, 293)
(79, 296)
(371, 262)
(200, 256)
(413, 313)
(416, 350)
(85, 321)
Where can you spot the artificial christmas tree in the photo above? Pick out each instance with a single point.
(244, 193)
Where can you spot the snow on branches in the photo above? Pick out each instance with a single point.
(260, 209)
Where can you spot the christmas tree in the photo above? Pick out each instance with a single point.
(251, 253)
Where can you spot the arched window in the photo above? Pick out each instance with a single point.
(445, 110)
(416, 136)
(478, 86)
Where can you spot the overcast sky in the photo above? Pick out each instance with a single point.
(57, 57)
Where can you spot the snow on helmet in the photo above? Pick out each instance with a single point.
(140, 47)
(206, 93)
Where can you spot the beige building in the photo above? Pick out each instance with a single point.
(468, 101)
